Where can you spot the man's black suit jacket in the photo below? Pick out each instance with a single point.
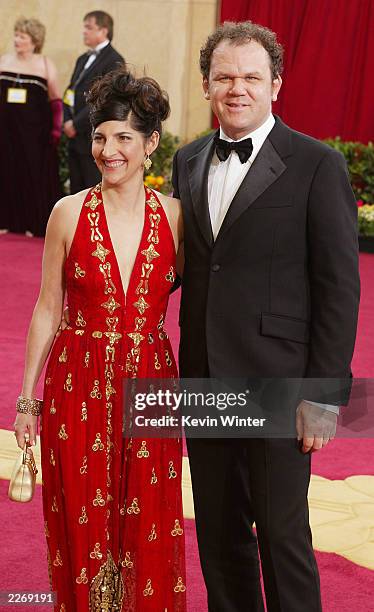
(277, 293)
(107, 60)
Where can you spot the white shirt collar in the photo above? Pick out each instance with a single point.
(102, 45)
(257, 135)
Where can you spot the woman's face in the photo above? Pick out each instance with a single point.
(23, 42)
(119, 150)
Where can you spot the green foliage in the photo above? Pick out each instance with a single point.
(366, 220)
(360, 161)
(162, 159)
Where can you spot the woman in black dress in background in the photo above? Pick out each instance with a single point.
(30, 128)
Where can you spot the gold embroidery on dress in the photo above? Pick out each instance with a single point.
(94, 222)
(179, 587)
(105, 269)
(139, 323)
(97, 334)
(143, 287)
(153, 234)
(98, 500)
(96, 553)
(52, 409)
(62, 608)
(134, 508)
(110, 305)
(62, 433)
(170, 275)
(98, 445)
(83, 468)
(58, 560)
(136, 337)
(68, 386)
(48, 380)
(84, 412)
(127, 561)
(150, 253)
(93, 202)
(83, 519)
(79, 273)
(177, 529)
(80, 322)
(64, 356)
(152, 202)
(79, 332)
(153, 535)
(169, 362)
(95, 393)
(46, 530)
(157, 363)
(82, 578)
(100, 252)
(150, 338)
(172, 472)
(54, 504)
(141, 305)
(52, 457)
(143, 452)
(154, 477)
(107, 588)
(148, 589)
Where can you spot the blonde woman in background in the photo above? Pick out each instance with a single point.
(30, 129)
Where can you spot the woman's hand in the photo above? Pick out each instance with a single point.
(25, 428)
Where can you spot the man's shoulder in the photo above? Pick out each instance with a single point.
(113, 54)
(301, 143)
(192, 148)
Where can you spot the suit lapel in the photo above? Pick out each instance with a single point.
(198, 170)
(265, 170)
(95, 65)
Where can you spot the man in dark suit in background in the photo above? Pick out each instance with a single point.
(100, 59)
(270, 289)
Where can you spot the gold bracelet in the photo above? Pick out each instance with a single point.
(26, 405)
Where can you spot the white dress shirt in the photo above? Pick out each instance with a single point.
(224, 180)
(91, 58)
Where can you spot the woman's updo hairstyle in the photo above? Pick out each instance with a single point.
(119, 96)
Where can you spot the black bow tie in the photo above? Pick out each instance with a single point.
(243, 148)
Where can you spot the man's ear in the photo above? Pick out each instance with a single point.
(206, 88)
(276, 85)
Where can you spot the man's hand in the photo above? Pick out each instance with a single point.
(65, 321)
(315, 426)
(69, 129)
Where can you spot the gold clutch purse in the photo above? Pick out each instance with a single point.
(22, 482)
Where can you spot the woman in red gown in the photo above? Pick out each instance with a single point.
(112, 505)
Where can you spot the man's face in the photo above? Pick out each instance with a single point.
(240, 87)
(93, 35)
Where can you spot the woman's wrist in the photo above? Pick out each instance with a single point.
(28, 405)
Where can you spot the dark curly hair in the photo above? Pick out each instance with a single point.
(239, 34)
(119, 96)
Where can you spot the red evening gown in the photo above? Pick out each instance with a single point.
(112, 505)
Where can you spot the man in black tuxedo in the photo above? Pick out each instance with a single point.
(270, 289)
(100, 59)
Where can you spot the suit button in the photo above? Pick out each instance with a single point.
(215, 267)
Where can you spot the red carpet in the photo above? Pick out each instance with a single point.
(345, 586)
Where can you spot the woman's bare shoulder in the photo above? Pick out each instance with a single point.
(171, 205)
(71, 204)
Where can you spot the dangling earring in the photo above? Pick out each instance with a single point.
(147, 162)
